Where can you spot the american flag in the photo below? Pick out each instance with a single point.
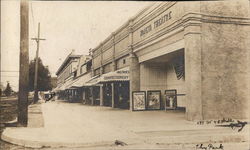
(179, 67)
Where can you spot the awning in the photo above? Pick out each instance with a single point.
(68, 84)
(61, 88)
(118, 75)
(56, 89)
(79, 82)
(93, 81)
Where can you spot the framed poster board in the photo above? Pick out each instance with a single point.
(154, 100)
(138, 100)
(170, 99)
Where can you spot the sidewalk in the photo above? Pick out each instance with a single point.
(62, 124)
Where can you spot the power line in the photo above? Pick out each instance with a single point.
(33, 18)
(9, 76)
(8, 71)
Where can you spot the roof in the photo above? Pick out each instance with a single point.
(66, 61)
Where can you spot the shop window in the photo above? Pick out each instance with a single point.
(74, 73)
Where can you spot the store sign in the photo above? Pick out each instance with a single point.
(153, 100)
(157, 23)
(119, 75)
(139, 100)
(116, 78)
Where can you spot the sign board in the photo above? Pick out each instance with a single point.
(139, 100)
(118, 75)
(154, 100)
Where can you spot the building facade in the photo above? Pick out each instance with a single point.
(199, 50)
(83, 74)
(65, 76)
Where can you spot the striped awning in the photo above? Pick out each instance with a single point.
(93, 81)
(79, 82)
(68, 84)
(118, 75)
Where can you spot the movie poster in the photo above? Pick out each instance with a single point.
(139, 100)
(153, 100)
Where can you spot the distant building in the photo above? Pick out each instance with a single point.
(81, 91)
(75, 70)
(54, 82)
(67, 72)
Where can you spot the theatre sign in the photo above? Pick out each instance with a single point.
(157, 23)
(161, 20)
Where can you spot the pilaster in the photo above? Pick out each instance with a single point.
(193, 74)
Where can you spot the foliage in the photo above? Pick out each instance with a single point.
(8, 90)
(44, 77)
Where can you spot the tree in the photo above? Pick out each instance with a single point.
(8, 90)
(44, 77)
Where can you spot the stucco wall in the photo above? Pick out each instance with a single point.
(225, 65)
(153, 77)
(232, 8)
(120, 62)
(224, 70)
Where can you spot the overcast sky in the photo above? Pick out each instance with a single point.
(65, 25)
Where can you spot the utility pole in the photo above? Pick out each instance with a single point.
(36, 67)
(24, 65)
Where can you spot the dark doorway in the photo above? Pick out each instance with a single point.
(122, 94)
(107, 94)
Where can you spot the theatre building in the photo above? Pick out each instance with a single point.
(195, 54)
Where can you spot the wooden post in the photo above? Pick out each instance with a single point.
(24, 65)
(36, 67)
(92, 93)
(101, 95)
(113, 95)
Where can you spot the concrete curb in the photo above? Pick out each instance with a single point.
(47, 144)
(165, 140)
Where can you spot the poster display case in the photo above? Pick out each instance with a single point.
(170, 99)
(138, 100)
(154, 100)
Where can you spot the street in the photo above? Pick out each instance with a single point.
(76, 126)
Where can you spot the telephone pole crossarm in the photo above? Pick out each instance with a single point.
(36, 39)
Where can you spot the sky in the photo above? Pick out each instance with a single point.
(65, 25)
